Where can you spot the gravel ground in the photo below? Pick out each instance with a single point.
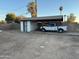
(38, 45)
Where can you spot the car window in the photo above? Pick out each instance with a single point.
(51, 24)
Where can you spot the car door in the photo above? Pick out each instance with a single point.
(47, 27)
(53, 27)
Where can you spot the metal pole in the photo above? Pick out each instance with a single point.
(36, 6)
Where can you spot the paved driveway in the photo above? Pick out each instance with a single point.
(38, 45)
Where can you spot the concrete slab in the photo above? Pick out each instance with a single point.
(73, 33)
(17, 45)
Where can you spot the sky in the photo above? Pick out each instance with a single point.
(45, 7)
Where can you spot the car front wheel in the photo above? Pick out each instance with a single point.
(43, 30)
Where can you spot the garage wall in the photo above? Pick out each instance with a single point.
(33, 26)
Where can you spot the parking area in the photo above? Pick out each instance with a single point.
(39, 45)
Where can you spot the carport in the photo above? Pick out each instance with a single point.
(32, 24)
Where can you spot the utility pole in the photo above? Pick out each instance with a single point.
(36, 6)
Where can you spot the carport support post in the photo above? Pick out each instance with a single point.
(28, 26)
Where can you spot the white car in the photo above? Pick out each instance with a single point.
(53, 27)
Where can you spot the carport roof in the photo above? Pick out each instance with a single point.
(44, 18)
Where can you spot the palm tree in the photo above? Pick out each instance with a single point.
(32, 9)
(61, 9)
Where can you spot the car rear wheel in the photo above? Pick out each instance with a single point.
(60, 30)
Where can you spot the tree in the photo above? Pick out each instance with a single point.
(10, 17)
(2, 22)
(71, 18)
(18, 18)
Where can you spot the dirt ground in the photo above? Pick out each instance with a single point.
(38, 45)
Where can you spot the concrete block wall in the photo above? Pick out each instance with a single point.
(33, 26)
(28, 26)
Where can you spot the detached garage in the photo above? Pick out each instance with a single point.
(32, 24)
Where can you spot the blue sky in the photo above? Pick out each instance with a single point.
(45, 7)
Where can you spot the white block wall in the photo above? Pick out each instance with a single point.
(28, 26)
(21, 26)
(64, 18)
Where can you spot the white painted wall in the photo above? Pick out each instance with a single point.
(21, 26)
(28, 26)
(64, 18)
